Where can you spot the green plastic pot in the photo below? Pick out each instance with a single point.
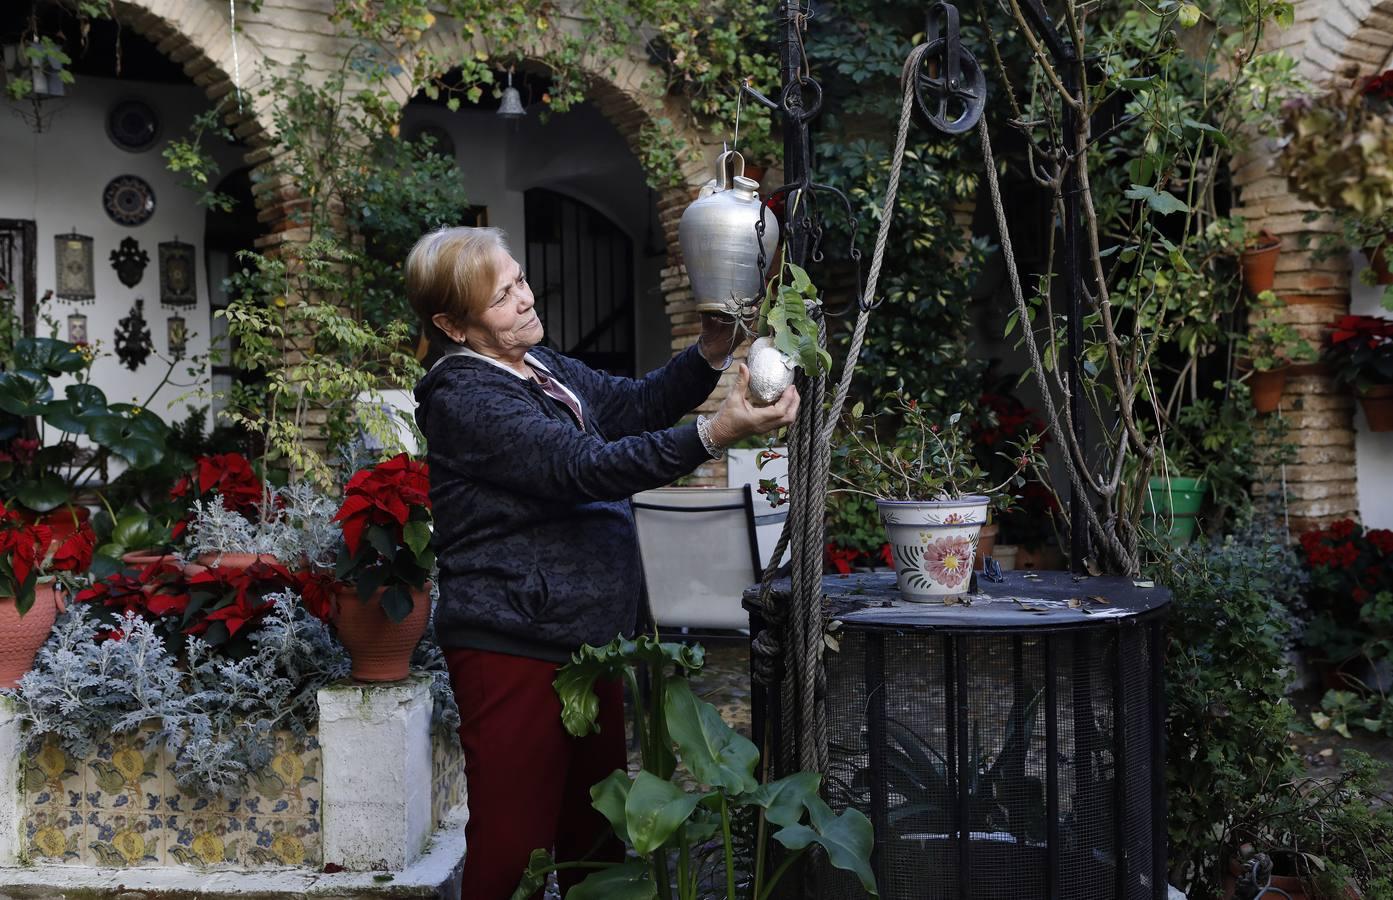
(1172, 505)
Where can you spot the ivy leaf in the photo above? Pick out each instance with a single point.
(1188, 16)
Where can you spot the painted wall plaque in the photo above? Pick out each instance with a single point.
(129, 200)
(177, 287)
(72, 253)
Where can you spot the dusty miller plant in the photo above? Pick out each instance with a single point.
(217, 718)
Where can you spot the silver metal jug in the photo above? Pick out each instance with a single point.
(719, 243)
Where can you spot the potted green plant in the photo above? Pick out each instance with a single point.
(30, 562)
(1361, 353)
(1258, 261)
(386, 558)
(42, 466)
(1271, 347)
(931, 493)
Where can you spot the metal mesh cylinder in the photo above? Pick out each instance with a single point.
(998, 758)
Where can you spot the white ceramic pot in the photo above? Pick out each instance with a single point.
(933, 543)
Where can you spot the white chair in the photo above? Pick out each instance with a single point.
(700, 552)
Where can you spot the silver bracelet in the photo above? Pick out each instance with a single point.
(703, 424)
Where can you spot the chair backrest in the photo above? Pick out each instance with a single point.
(699, 553)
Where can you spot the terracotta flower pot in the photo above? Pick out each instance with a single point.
(1377, 402)
(21, 636)
(1378, 261)
(235, 562)
(1267, 388)
(139, 559)
(1259, 263)
(986, 544)
(379, 648)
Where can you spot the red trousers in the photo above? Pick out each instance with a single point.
(528, 780)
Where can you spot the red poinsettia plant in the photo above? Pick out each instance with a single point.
(28, 552)
(226, 475)
(1351, 591)
(386, 521)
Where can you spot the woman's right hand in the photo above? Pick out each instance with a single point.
(738, 418)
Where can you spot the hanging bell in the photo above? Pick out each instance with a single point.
(720, 241)
(510, 107)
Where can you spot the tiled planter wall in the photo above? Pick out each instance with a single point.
(122, 808)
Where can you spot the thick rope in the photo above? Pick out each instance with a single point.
(803, 718)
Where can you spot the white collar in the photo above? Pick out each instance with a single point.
(528, 358)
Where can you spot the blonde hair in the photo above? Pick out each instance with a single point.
(452, 271)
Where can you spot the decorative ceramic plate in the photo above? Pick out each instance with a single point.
(132, 125)
(129, 200)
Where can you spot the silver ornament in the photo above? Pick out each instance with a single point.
(771, 370)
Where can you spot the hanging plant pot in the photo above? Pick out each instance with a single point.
(22, 636)
(379, 648)
(1377, 402)
(1173, 505)
(1266, 387)
(1378, 261)
(1259, 262)
(933, 543)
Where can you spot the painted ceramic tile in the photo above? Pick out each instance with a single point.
(275, 841)
(447, 777)
(123, 776)
(200, 840)
(289, 785)
(52, 779)
(54, 835)
(117, 839)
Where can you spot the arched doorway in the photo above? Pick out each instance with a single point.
(581, 267)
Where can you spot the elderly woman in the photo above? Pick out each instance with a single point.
(533, 458)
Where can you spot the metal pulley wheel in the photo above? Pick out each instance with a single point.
(950, 88)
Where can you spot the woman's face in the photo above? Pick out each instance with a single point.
(508, 326)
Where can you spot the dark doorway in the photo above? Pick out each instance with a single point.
(581, 266)
(18, 278)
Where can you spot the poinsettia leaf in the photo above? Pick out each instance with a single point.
(397, 603)
(381, 541)
(369, 580)
(416, 534)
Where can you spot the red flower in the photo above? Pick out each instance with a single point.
(119, 591)
(1342, 529)
(75, 554)
(227, 475)
(383, 495)
(840, 558)
(24, 548)
(1359, 595)
(887, 555)
(318, 591)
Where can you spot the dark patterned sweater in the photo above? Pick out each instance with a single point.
(534, 531)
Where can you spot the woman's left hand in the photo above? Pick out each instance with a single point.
(720, 336)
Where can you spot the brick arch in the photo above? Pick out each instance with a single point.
(197, 35)
(1328, 37)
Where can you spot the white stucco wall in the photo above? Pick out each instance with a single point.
(1373, 452)
(56, 178)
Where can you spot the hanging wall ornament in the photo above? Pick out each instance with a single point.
(77, 328)
(129, 261)
(177, 274)
(129, 200)
(72, 253)
(132, 125)
(176, 330)
(133, 342)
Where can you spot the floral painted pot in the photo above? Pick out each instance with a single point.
(933, 543)
(22, 636)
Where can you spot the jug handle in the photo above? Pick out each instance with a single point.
(737, 169)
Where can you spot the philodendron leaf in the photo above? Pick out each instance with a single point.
(629, 881)
(654, 809)
(609, 797)
(579, 706)
(574, 682)
(716, 754)
(847, 838)
(534, 877)
(785, 800)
